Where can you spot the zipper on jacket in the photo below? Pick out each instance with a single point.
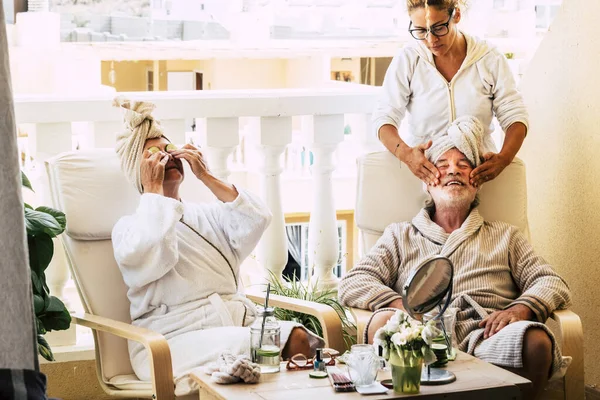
(450, 87)
(451, 94)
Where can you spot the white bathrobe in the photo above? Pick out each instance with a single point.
(495, 268)
(483, 87)
(180, 286)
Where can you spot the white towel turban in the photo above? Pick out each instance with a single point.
(139, 126)
(466, 134)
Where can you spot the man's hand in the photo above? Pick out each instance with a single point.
(194, 158)
(491, 167)
(396, 304)
(420, 166)
(499, 319)
(152, 171)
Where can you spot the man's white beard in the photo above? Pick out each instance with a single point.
(457, 202)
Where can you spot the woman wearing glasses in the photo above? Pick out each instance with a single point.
(443, 75)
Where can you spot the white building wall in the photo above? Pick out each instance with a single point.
(235, 73)
(563, 163)
(307, 72)
(39, 64)
(246, 74)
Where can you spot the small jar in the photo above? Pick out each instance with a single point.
(267, 354)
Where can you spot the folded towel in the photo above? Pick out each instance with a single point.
(232, 369)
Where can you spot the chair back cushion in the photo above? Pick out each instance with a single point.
(89, 187)
(388, 192)
(93, 193)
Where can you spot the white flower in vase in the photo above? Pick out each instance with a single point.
(400, 338)
(430, 332)
(404, 333)
(428, 355)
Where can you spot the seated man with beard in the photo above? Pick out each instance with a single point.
(503, 291)
(181, 260)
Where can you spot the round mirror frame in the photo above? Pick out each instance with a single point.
(445, 294)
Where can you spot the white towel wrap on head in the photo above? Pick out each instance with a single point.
(466, 134)
(139, 126)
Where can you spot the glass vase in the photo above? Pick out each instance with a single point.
(406, 370)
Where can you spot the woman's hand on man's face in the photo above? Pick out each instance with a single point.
(491, 167)
(153, 171)
(195, 159)
(419, 165)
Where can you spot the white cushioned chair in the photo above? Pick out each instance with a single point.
(92, 191)
(388, 192)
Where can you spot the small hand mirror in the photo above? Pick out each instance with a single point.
(427, 287)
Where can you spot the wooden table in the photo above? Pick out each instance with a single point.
(475, 379)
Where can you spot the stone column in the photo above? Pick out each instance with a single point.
(222, 135)
(326, 132)
(274, 135)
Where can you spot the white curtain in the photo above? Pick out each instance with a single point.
(17, 332)
(294, 240)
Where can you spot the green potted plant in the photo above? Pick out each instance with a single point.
(297, 290)
(42, 225)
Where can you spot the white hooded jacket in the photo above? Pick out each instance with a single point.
(483, 87)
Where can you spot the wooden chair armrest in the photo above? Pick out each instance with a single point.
(161, 369)
(361, 317)
(327, 316)
(572, 345)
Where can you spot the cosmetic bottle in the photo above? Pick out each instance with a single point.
(319, 364)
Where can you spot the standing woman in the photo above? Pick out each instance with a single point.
(443, 75)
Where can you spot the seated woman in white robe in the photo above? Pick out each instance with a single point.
(181, 261)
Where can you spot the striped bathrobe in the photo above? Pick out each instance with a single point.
(495, 268)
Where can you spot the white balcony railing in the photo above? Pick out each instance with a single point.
(245, 131)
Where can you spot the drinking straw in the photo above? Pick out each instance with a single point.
(262, 329)
(443, 328)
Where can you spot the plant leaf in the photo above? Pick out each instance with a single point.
(41, 250)
(56, 321)
(28, 206)
(36, 282)
(56, 317)
(39, 304)
(44, 348)
(298, 290)
(40, 222)
(56, 305)
(25, 181)
(46, 288)
(39, 326)
(58, 215)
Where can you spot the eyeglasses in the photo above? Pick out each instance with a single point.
(437, 30)
(301, 361)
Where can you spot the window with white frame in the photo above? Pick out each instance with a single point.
(341, 264)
